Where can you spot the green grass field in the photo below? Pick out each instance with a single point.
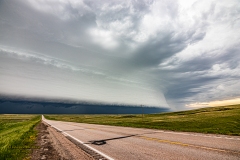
(217, 120)
(17, 136)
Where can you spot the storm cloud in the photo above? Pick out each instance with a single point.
(152, 53)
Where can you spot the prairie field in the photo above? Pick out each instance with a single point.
(17, 135)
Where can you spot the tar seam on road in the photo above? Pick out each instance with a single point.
(187, 145)
(97, 154)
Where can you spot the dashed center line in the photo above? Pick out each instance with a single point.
(199, 135)
(187, 145)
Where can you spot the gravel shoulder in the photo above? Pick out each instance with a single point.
(55, 146)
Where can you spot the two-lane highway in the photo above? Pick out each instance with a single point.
(134, 143)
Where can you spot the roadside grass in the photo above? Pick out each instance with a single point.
(215, 120)
(17, 135)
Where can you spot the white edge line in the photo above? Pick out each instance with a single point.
(104, 155)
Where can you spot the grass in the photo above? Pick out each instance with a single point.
(17, 136)
(216, 120)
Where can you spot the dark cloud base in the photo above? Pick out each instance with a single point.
(31, 107)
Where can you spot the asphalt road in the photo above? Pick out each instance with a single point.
(126, 143)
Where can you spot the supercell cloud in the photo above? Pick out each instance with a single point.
(154, 53)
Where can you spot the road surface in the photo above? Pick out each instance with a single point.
(126, 143)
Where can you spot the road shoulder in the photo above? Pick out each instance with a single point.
(53, 145)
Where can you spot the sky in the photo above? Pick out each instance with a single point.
(176, 54)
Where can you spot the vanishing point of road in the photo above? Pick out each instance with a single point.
(125, 143)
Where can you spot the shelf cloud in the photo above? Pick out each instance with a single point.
(153, 53)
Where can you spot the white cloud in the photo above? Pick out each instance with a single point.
(104, 38)
(217, 27)
(60, 8)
